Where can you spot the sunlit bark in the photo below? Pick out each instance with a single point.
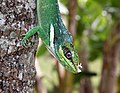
(17, 71)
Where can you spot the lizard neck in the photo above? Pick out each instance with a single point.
(47, 11)
(50, 20)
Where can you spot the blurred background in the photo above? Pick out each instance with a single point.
(95, 27)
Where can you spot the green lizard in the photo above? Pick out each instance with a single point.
(54, 35)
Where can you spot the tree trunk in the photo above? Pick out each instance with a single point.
(85, 82)
(72, 29)
(17, 70)
(111, 53)
(72, 14)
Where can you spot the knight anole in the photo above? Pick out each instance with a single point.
(54, 35)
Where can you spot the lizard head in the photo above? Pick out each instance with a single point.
(68, 57)
(62, 49)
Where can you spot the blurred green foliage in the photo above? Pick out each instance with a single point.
(95, 20)
(41, 50)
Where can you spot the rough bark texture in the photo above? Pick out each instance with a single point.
(17, 71)
(111, 54)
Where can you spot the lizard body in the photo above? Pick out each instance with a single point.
(54, 35)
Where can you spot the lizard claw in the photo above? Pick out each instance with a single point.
(24, 43)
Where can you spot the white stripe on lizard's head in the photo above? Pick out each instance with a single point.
(52, 36)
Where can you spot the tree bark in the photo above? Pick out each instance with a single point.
(111, 54)
(17, 70)
(72, 14)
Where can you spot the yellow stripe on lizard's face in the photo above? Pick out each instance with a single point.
(68, 58)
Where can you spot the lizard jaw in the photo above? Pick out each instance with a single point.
(79, 67)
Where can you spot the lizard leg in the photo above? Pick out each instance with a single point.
(30, 33)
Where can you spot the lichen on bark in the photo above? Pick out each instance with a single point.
(17, 71)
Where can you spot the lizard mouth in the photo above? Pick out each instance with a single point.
(79, 67)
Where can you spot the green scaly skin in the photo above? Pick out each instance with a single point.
(54, 35)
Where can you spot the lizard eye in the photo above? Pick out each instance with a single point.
(67, 53)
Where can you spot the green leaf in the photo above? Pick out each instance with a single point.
(41, 50)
